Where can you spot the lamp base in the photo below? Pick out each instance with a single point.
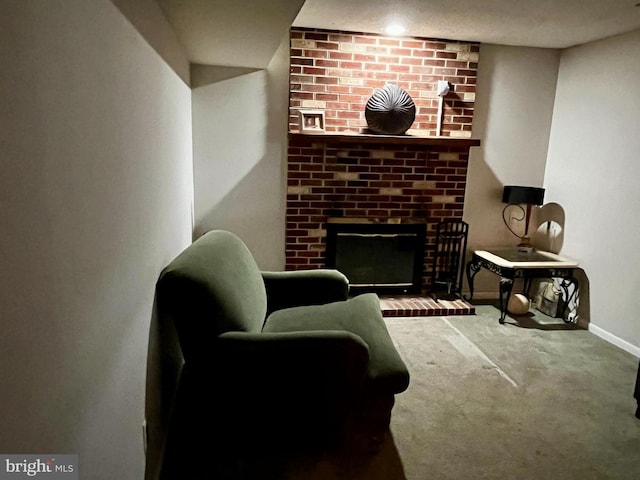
(525, 245)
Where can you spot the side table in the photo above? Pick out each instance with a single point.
(509, 264)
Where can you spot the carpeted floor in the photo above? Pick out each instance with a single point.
(532, 399)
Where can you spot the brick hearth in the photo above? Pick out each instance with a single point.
(418, 306)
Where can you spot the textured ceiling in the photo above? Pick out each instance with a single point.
(535, 23)
(246, 33)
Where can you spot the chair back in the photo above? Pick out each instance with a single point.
(213, 286)
(449, 254)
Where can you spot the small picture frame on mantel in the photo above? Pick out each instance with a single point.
(311, 121)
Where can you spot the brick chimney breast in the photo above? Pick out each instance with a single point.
(337, 72)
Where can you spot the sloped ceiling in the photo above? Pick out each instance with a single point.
(230, 32)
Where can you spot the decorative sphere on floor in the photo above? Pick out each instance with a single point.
(518, 304)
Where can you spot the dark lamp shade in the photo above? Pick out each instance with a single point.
(524, 195)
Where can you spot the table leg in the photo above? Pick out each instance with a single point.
(475, 268)
(637, 393)
(506, 285)
(527, 286)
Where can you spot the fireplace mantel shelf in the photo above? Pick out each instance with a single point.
(353, 137)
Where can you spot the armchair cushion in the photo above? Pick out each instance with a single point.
(361, 315)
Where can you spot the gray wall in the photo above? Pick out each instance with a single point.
(593, 170)
(95, 198)
(514, 105)
(239, 148)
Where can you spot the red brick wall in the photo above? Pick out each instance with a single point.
(337, 73)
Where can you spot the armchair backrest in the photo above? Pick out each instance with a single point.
(213, 286)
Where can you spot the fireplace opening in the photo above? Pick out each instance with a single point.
(378, 257)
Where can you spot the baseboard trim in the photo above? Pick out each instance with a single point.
(611, 338)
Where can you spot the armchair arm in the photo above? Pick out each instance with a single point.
(292, 382)
(304, 287)
(314, 356)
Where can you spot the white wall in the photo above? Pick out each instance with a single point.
(95, 198)
(514, 103)
(239, 148)
(593, 170)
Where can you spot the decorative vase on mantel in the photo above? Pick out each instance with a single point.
(390, 110)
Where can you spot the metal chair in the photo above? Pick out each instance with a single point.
(448, 257)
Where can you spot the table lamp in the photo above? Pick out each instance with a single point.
(518, 196)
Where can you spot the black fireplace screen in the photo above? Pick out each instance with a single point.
(384, 258)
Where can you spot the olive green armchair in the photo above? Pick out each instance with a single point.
(272, 357)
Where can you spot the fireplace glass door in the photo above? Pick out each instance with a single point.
(383, 258)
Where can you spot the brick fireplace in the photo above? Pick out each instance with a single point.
(349, 173)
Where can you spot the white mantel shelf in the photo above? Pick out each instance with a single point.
(354, 137)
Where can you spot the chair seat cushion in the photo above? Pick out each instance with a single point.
(362, 316)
